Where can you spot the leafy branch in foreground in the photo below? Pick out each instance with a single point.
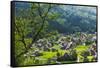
(34, 37)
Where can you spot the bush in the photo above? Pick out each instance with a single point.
(37, 53)
(85, 54)
(73, 55)
(65, 57)
(88, 42)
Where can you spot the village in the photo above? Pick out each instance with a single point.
(78, 47)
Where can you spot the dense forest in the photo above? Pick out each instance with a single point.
(54, 34)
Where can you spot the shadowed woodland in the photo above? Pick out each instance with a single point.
(54, 34)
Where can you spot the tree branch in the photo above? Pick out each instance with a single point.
(39, 31)
(22, 35)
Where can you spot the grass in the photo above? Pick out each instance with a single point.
(81, 48)
(47, 55)
(90, 58)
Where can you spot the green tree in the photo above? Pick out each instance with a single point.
(30, 25)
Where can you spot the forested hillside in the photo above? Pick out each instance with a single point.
(71, 18)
